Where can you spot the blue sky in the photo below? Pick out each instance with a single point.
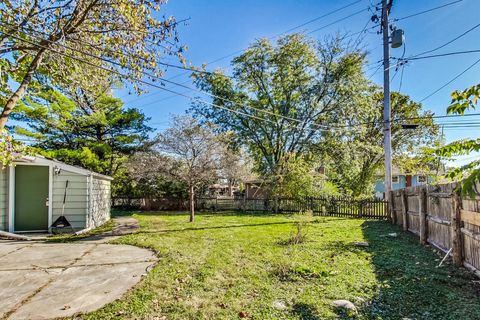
(218, 28)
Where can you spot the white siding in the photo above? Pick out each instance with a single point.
(76, 204)
(100, 202)
(3, 200)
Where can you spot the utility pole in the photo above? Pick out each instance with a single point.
(387, 134)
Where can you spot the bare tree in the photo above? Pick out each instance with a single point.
(193, 154)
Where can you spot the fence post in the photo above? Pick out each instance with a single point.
(456, 232)
(422, 216)
(390, 206)
(360, 209)
(405, 210)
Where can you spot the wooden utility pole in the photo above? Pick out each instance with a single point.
(387, 134)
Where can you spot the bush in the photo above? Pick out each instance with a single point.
(300, 229)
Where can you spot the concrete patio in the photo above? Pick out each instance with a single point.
(48, 280)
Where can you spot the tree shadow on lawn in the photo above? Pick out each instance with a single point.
(305, 311)
(223, 214)
(411, 285)
(213, 228)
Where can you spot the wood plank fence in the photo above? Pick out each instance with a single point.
(439, 217)
(323, 206)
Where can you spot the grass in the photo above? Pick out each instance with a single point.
(231, 266)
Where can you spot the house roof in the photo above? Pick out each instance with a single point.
(37, 159)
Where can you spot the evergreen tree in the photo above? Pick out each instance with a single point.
(95, 132)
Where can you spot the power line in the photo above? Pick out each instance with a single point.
(446, 43)
(375, 72)
(120, 52)
(138, 79)
(401, 79)
(337, 21)
(322, 16)
(217, 106)
(453, 79)
(426, 11)
(439, 55)
(206, 72)
(174, 83)
(272, 37)
(399, 63)
(189, 97)
(162, 88)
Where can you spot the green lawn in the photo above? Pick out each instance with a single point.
(228, 266)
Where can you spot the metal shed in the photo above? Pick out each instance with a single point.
(32, 192)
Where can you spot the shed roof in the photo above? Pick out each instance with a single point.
(37, 159)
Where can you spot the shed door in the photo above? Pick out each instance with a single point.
(31, 198)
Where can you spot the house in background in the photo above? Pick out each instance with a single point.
(402, 180)
(32, 192)
(222, 190)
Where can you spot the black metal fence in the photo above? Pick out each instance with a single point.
(324, 206)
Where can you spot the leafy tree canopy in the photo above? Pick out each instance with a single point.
(354, 151)
(298, 178)
(280, 95)
(95, 132)
(58, 42)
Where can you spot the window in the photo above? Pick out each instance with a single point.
(422, 179)
(395, 179)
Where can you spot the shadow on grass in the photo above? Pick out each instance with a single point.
(207, 213)
(224, 214)
(216, 227)
(122, 212)
(411, 285)
(305, 311)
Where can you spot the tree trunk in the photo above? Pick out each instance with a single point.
(17, 95)
(191, 193)
(230, 188)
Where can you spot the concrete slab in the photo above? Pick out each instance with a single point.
(123, 226)
(42, 255)
(16, 286)
(7, 247)
(110, 253)
(81, 289)
(44, 281)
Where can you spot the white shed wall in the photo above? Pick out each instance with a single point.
(76, 204)
(100, 202)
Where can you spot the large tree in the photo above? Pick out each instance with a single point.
(58, 42)
(93, 131)
(280, 95)
(353, 149)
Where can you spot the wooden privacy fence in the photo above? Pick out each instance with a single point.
(442, 219)
(325, 206)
